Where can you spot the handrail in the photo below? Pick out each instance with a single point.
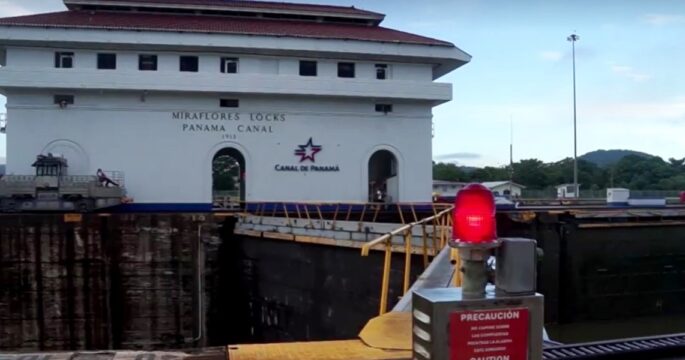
(312, 211)
(367, 247)
(439, 221)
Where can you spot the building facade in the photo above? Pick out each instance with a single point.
(447, 188)
(505, 188)
(315, 103)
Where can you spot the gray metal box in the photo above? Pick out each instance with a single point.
(516, 266)
(431, 310)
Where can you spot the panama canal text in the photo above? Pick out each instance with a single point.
(210, 122)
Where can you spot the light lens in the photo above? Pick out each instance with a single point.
(474, 215)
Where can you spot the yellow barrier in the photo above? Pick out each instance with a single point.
(440, 223)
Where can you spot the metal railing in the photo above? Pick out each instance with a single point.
(359, 212)
(116, 176)
(78, 179)
(596, 194)
(18, 178)
(439, 224)
(226, 200)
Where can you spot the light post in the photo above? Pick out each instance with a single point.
(573, 38)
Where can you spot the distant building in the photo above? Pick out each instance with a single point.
(567, 191)
(504, 188)
(446, 188)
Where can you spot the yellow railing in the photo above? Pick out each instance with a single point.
(312, 211)
(439, 223)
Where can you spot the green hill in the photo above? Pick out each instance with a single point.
(605, 158)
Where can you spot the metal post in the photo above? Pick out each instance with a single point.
(573, 38)
(425, 245)
(474, 270)
(408, 236)
(385, 285)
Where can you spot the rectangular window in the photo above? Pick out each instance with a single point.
(107, 61)
(384, 108)
(147, 62)
(308, 68)
(346, 70)
(64, 60)
(229, 65)
(229, 103)
(63, 100)
(381, 71)
(189, 63)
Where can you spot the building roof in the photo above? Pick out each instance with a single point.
(232, 5)
(112, 20)
(494, 184)
(567, 184)
(446, 182)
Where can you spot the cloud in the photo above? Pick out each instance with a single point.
(9, 9)
(663, 19)
(629, 72)
(551, 55)
(668, 112)
(457, 156)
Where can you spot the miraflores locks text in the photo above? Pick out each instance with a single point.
(215, 121)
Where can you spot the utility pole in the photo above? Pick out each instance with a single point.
(573, 38)
(511, 155)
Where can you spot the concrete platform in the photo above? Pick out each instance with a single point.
(323, 350)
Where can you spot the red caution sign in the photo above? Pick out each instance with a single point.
(489, 335)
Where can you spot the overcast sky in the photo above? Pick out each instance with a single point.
(630, 58)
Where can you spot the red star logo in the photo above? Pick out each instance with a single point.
(307, 151)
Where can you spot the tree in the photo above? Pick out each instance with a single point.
(449, 172)
(532, 173)
(490, 173)
(225, 170)
(640, 173)
(636, 172)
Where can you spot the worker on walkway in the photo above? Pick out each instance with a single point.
(104, 180)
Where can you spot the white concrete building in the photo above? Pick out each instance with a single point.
(504, 188)
(316, 103)
(567, 191)
(447, 188)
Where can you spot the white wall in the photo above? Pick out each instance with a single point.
(30, 67)
(515, 190)
(443, 58)
(164, 164)
(168, 62)
(110, 127)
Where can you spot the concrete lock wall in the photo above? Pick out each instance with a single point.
(108, 282)
(129, 282)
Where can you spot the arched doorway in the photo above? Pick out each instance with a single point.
(77, 159)
(228, 177)
(383, 177)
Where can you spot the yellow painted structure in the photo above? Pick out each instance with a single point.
(391, 331)
(321, 350)
(387, 337)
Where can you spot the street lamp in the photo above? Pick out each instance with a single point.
(573, 38)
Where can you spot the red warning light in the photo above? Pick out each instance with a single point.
(474, 216)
